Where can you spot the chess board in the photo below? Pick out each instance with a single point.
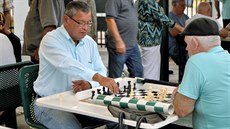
(139, 90)
(161, 96)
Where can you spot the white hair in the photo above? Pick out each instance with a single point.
(208, 42)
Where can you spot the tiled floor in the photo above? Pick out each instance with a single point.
(173, 78)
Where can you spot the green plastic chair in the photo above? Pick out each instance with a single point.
(10, 97)
(27, 76)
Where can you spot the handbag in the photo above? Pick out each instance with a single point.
(136, 115)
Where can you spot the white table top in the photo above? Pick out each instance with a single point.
(70, 102)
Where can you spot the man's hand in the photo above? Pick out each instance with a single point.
(106, 82)
(35, 55)
(121, 48)
(223, 33)
(79, 85)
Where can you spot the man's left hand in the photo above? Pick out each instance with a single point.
(79, 85)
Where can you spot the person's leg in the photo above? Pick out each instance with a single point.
(116, 63)
(134, 62)
(151, 60)
(54, 119)
(174, 54)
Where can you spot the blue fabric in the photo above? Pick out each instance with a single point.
(181, 21)
(207, 80)
(131, 58)
(61, 62)
(54, 119)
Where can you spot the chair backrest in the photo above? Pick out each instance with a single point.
(9, 85)
(27, 76)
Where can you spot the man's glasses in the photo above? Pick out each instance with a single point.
(81, 24)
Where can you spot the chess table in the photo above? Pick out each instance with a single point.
(81, 103)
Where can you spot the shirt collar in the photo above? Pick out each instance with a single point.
(216, 49)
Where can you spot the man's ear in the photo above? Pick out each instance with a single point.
(195, 43)
(65, 18)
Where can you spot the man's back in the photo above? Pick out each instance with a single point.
(210, 89)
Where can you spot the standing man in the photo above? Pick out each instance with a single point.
(69, 60)
(177, 14)
(121, 38)
(204, 90)
(43, 16)
(177, 49)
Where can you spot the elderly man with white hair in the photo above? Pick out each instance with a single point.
(204, 90)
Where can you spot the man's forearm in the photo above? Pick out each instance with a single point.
(48, 28)
(112, 26)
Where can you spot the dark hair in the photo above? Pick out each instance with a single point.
(74, 6)
(174, 2)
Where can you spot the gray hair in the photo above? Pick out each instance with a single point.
(74, 6)
(207, 42)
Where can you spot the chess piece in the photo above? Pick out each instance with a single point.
(129, 88)
(98, 91)
(160, 95)
(124, 88)
(134, 86)
(149, 96)
(118, 84)
(93, 93)
(165, 92)
(108, 91)
(103, 89)
(131, 95)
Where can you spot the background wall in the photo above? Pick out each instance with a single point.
(20, 11)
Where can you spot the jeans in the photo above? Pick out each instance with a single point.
(54, 119)
(132, 59)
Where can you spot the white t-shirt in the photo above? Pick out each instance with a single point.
(6, 51)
